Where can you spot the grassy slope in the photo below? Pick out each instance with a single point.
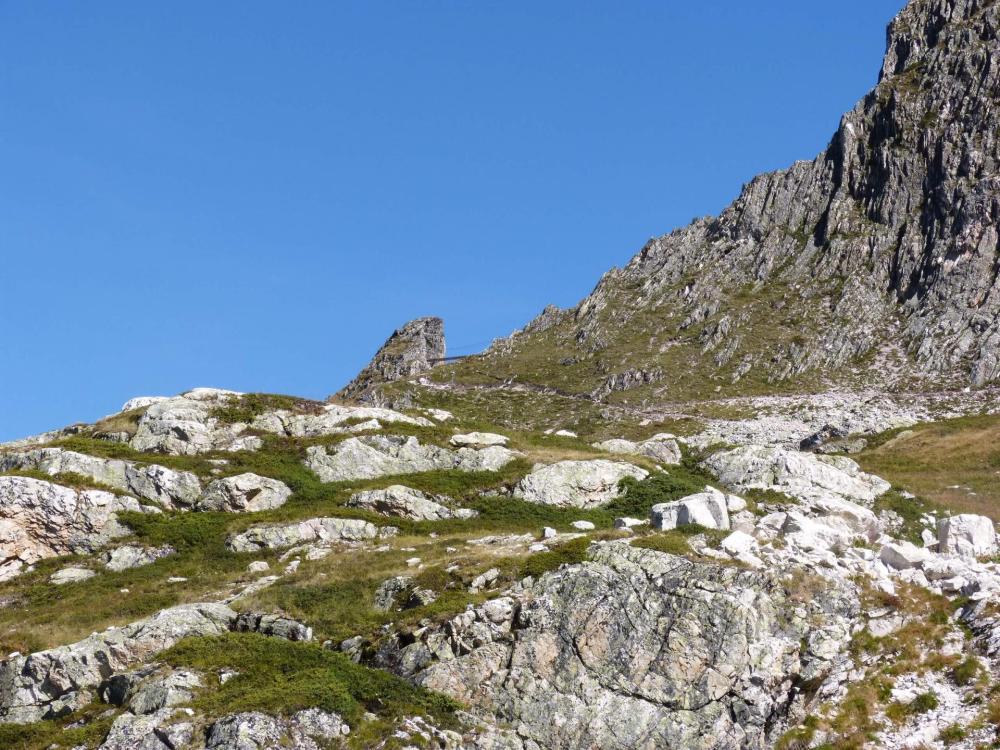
(955, 463)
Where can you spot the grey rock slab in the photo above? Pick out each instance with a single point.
(244, 493)
(577, 484)
(374, 456)
(279, 536)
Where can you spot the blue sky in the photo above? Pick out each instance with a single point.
(254, 195)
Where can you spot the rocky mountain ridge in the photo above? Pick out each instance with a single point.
(874, 264)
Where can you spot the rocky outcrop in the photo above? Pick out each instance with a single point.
(56, 682)
(398, 501)
(712, 656)
(39, 519)
(322, 530)
(186, 425)
(244, 493)
(410, 350)
(158, 484)
(803, 476)
(577, 484)
(376, 456)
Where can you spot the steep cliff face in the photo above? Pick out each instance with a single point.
(875, 262)
(410, 350)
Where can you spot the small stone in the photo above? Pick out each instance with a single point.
(583, 525)
(258, 566)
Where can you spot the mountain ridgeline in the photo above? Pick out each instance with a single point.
(876, 263)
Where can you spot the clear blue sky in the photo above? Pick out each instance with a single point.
(253, 195)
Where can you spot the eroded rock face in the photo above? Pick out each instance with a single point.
(40, 519)
(410, 350)
(375, 456)
(328, 530)
(165, 487)
(244, 493)
(636, 649)
(50, 683)
(398, 501)
(804, 476)
(577, 484)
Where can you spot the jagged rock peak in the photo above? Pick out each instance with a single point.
(409, 351)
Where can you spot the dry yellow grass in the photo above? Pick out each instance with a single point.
(953, 462)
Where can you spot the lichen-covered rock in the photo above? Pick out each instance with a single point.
(635, 649)
(398, 501)
(167, 488)
(304, 730)
(328, 530)
(244, 493)
(804, 476)
(130, 556)
(150, 688)
(375, 456)
(45, 683)
(40, 519)
(577, 484)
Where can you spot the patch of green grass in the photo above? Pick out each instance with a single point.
(676, 541)
(249, 406)
(280, 677)
(924, 703)
(966, 671)
(952, 734)
(43, 735)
